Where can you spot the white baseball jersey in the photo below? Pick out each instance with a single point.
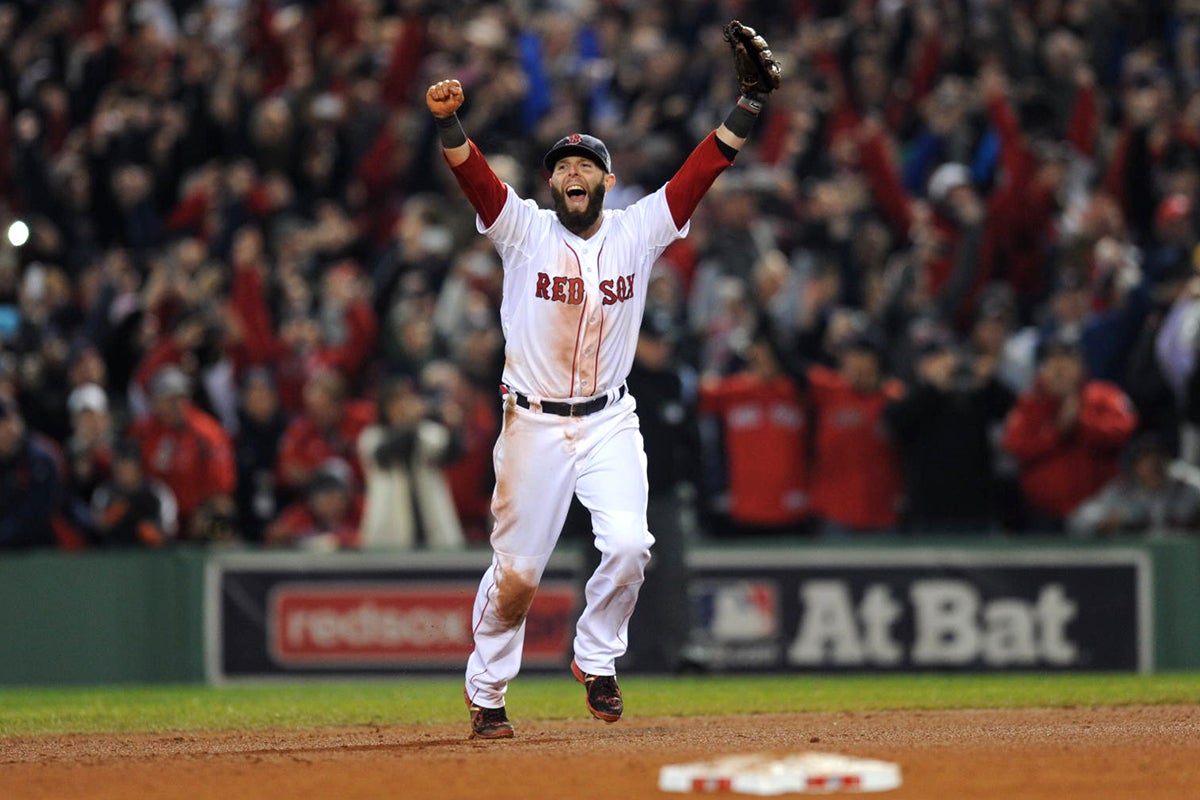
(572, 307)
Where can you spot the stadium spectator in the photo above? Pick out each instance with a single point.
(195, 348)
(261, 426)
(994, 336)
(737, 239)
(946, 228)
(1154, 495)
(765, 427)
(189, 451)
(255, 340)
(88, 451)
(1066, 432)
(1175, 342)
(857, 475)
(256, 171)
(1175, 234)
(47, 318)
(470, 474)
(418, 252)
(327, 429)
(407, 500)
(1157, 369)
(348, 324)
(326, 517)
(942, 427)
(31, 484)
(410, 341)
(130, 508)
(1032, 164)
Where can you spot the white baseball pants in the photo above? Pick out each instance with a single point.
(541, 460)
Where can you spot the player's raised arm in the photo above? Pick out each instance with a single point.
(758, 74)
(476, 178)
(444, 98)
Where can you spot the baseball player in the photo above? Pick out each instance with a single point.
(575, 281)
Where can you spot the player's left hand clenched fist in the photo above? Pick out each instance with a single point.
(444, 98)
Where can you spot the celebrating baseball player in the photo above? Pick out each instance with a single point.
(575, 283)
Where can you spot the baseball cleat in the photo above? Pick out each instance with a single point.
(603, 694)
(488, 723)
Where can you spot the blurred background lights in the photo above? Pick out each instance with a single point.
(18, 233)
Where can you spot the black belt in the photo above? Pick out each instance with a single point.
(567, 409)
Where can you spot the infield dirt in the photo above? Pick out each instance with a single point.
(1127, 753)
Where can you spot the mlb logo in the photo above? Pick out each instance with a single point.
(736, 611)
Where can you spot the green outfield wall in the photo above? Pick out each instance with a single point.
(98, 617)
(102, 617)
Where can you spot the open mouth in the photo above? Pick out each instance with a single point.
(576, 192)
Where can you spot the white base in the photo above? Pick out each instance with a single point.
(765, 774)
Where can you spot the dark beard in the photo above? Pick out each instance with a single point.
(579, 221)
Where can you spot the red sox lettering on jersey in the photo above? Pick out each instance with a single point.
(570, 290)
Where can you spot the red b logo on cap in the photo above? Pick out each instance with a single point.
(574, 138)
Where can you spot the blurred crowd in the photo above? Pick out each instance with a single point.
(950, 284)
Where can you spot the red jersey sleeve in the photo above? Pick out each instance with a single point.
(694, 177)
(481, 185)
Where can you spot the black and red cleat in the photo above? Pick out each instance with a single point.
(603, 694)
(489, 723)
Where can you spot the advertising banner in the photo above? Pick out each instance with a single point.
(276, 615)
(287, 615)
(924, 610)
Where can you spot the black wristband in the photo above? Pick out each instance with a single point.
(741, 118)
(450, 131)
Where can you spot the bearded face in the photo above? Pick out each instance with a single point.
(575, 217)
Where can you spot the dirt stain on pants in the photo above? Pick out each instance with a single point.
(514, 595)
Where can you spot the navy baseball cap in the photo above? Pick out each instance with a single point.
(578, 144)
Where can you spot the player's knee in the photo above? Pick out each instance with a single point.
(627, 549)
(514, 595)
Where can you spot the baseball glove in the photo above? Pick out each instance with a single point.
(758, 71)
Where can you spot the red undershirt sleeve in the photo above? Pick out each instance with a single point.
(481, 185)
(695, 175)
